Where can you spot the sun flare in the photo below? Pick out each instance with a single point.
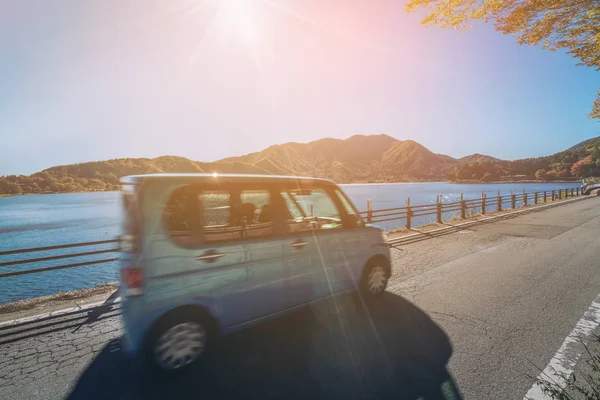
(242, 20)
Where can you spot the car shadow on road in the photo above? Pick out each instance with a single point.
(338, 349)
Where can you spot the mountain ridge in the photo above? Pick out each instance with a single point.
(357, 159)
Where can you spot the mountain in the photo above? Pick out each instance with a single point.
(360, 158)
(408, 159)
(585, 144)
(478, 158)
(348, 160)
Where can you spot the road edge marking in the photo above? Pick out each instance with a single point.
(569, 353)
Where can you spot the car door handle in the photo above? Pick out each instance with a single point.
(298, 244)
(209, 256)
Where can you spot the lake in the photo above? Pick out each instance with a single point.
(52, 219)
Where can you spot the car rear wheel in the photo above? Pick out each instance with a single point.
(177, 344)
(375, 278)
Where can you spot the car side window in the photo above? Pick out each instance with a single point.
(180, 216)
(236, 215)
(192, 216)
(311, 209)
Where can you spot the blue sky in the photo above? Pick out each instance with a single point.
(87, 80)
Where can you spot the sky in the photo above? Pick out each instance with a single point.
(88, 80)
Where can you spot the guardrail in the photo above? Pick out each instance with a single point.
(463, 207)
(442, 212)
(51, 257)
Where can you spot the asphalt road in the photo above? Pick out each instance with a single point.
(496, 300)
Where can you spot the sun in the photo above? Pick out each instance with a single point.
(238, 26)
(242, 19)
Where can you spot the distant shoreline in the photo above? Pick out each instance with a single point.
(455, 182)
(477, 182)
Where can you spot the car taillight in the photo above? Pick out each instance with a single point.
(132, 280)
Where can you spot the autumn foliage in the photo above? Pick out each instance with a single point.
(581, 168)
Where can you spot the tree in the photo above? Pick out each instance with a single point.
(555, 24)
(595, 114)
(540, 174)
(559, 166)
(8, 187)
(97, 184)
(551, 175)
(582, 168)
(595, 153)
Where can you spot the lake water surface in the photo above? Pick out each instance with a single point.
(53, 219)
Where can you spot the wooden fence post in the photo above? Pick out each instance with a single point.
(535, 201)
(499, 208)
(553, 195)
(369, 211)
(408, 214)
(572, 192)
(577, 191)
(463, 207)
(525, 197)
(439, 210)
(513, 201)
(482, 203)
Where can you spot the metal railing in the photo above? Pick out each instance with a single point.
(461, 209)
(52, 257)
(464, 207)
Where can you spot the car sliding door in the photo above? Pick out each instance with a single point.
(246, 218)
(314, 250)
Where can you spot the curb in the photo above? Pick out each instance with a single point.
(57, 313)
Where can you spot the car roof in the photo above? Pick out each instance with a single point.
(181, 177)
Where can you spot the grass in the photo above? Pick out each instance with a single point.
(60, 296)
(582, 384)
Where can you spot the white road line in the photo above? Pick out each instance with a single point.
(568, 354)
(57, 313)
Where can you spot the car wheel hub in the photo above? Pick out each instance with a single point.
(180, 345)
(377, 279)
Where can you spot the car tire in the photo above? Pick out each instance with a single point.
(375, 278)
(179, 343)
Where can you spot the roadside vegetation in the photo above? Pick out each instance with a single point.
(584, 383)
(581, 161)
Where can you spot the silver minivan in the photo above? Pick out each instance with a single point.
(206, 254)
